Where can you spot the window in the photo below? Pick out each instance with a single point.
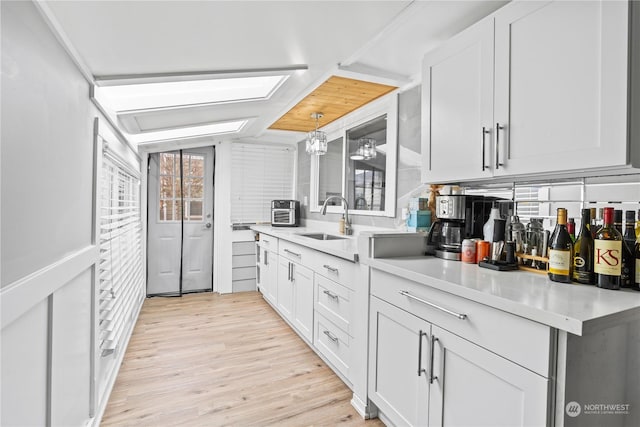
(121, 280)
(172, 195)
(259, 175)
(360, 164)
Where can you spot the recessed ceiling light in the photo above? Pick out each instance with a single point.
(149, 96)
(188, 132)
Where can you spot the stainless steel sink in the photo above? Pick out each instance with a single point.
(322, 236)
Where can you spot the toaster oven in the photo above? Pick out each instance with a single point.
(285, 213)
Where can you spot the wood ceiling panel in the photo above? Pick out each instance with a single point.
(334, 98)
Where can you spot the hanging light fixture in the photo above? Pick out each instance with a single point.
(317, 140)
(366, 150)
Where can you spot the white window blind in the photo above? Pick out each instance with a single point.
(120, 275)
(259, 175)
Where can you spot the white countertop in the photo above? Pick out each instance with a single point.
(344, 248)
(568, 307)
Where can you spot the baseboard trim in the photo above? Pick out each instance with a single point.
(366, 411)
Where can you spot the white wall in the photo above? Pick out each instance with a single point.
(47, 254)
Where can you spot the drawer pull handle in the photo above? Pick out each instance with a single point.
(331, 269)
(430, 304)
(433, 348)
(420, 369)
(292, 253)
(331, 294)
(331, 336)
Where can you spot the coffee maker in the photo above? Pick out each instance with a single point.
(459, 217)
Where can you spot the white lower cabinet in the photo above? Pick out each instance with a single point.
(295, 296)
(472, 386)
(421, 374)
(398, 380)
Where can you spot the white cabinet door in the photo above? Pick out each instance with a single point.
(473, 386)
(269, 275)
(457, 107)
(302, 279)
(398, 357)
(560, 86)
(285, 288)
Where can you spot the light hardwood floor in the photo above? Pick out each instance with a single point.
(224, 360)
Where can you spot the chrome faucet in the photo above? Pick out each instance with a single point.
(347, 225)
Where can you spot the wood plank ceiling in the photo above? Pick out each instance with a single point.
(334, 98)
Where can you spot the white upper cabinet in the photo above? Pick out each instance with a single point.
(457, 108)
(536, 88)
(561, 86)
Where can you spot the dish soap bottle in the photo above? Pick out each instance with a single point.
(341, 225)
(487, 229)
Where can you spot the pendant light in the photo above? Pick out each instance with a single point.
(366, 150)
(317, 140)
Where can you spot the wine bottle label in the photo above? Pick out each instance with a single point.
(559, 262)
(607, 257)
(638, 271)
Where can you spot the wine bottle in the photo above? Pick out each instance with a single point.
(583, 252)
(596, 221)
(638, 225)
(607, 257)
(571, 228)
(560, 250)
(628, 251)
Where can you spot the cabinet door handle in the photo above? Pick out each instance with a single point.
(437, 307)
(266, 258)
(433, 348)
(420, 370)
(292, 253)
(485, 131)
(293, 279)
(331, 294)
(331, 336)
(498, 129)
(331, 269)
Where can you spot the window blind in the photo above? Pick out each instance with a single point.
(120, 274)
(259, 175)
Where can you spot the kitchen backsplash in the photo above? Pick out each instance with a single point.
(534, 199)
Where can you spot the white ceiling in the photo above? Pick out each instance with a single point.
(384, 39)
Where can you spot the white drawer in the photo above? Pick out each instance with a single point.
(268, 242)
(518, 339)
(296, 253)
(334, 268)
(334, 302)
(333, 343)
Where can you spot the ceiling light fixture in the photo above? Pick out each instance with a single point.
(317, 140)
(366, 150)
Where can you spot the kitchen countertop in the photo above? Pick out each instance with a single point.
(344, 248)
(569, 307)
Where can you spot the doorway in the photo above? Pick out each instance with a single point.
(180, 222)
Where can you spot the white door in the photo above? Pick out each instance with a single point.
(475, 387)
(302, 278)
(561, 85)
(285, 288)
(180, 244)
(457, 107)
(398, 371)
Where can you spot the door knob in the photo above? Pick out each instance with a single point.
(208, 225)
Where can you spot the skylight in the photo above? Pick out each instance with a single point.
(149, 96)
(188, 132)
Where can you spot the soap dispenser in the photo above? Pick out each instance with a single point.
(487, 229)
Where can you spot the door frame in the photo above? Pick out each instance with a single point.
(144, 152)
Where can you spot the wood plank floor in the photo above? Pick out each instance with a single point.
(224, 360)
